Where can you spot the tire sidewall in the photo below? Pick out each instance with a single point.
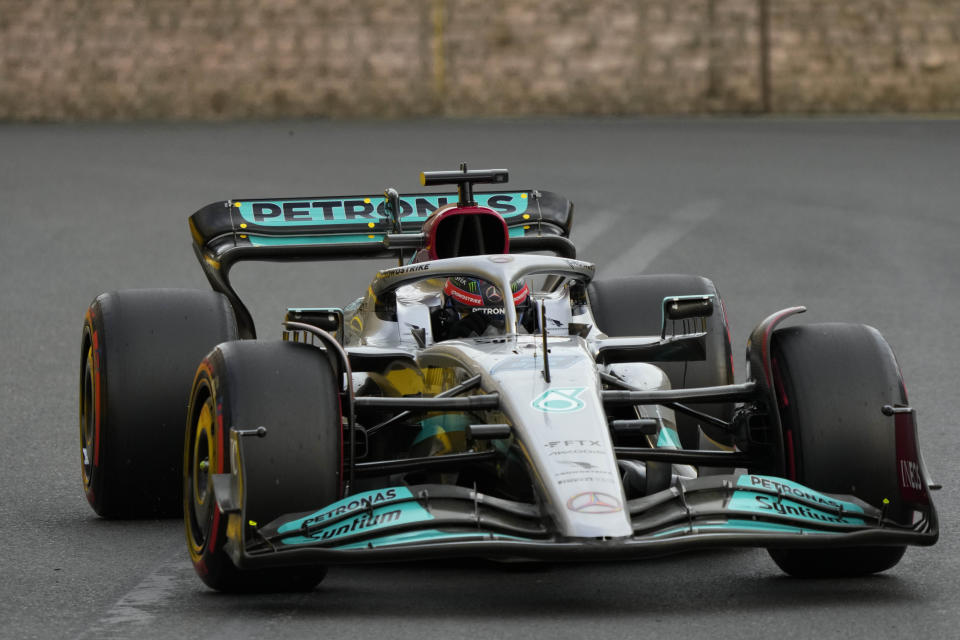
(91, 352)
(209, 558)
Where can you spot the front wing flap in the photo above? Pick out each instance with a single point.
(423, 521)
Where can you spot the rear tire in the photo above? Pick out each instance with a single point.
(138, 354)
(832, 379)
(291, 390)
(632, 306)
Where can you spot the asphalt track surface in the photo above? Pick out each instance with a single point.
(858, 220)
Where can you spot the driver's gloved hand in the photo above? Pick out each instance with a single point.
(441, 320)
(447, 324)
(530, 321)
(471, 324)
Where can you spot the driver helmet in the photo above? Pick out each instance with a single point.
(468, 295)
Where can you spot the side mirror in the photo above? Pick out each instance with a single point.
(682, 308)
(330, 319)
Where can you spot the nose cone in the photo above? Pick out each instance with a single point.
(562, 427)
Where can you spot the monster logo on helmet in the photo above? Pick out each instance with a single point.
(473, 295)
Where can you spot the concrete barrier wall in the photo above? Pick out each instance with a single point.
(225, 59)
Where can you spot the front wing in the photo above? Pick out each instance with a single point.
(429, 521)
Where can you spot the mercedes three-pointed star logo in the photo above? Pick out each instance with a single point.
(593, 502)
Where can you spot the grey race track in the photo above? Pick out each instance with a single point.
(858, 220)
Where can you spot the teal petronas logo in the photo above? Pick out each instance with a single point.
(559, 400)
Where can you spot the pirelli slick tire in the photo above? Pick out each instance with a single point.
(632, 306)
(832, 381)
(138, 353)
(291, 390)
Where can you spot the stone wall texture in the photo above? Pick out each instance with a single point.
(235, 59)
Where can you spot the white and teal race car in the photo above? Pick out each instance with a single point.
(486, 397)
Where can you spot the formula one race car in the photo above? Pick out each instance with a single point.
(488, 397)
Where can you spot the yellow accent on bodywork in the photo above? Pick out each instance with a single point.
(400, 379)
(197, 238)
(404, 379)
(437, 379)
(719, 445)
(357, 323)
(234, 526)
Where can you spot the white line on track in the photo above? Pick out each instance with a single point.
(140, 606)
(660, 238)
(600, 224)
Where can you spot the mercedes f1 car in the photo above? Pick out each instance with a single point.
(486, 397)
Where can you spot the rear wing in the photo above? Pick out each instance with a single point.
(339, 227)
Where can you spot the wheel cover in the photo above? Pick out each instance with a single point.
(200, 464)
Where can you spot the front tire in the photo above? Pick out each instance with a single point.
(291, 390)
(138, 353)
(832, 380)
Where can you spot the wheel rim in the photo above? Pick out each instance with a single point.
(87, 419)
(201, 464)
